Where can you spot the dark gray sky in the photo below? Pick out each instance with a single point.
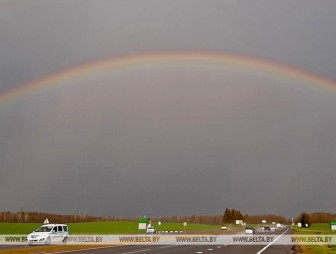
(167, 138)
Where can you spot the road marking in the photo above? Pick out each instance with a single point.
(199, 252)
(136, 251)
(85, 249)
(166, 247)
(262, 250)
(209, 249)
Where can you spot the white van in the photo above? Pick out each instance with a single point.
(48, 234)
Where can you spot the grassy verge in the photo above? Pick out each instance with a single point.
(316, 229)
(318, 249)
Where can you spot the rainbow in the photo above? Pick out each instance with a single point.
(232, 60)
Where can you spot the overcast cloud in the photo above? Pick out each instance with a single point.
(189, 139)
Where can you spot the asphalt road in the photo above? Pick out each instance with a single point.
(188, 249)
(196, 249)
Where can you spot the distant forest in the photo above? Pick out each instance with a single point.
(228, 217)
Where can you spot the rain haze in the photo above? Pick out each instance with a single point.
(175, 131)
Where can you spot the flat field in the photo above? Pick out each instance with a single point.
(315, 228)
(110, 227)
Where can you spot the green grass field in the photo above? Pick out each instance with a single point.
(18, 228)
(189, 227)
(321, 228)
(113, 227)
(317, 228)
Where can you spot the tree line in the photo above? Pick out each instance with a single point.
(38, 217)
(229, 216)
(317, 217)
(197, 219)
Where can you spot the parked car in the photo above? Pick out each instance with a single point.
(48, 234)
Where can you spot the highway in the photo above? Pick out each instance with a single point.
(196, 249)
(200, 249)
